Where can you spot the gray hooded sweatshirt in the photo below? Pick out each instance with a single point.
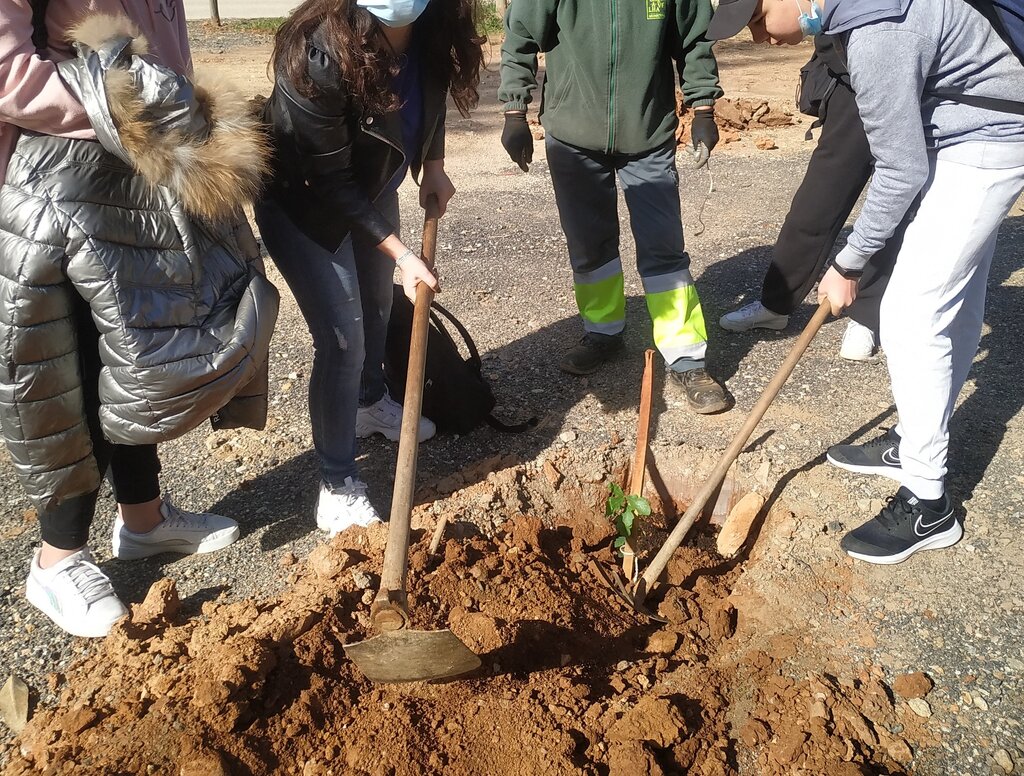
(898, 53)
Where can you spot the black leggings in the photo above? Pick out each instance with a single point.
(134, 470)
(840, 168)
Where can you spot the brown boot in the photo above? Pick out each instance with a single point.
(704, 394)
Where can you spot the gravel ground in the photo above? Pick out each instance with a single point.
(957, 614)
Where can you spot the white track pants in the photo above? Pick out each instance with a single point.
(933, 308)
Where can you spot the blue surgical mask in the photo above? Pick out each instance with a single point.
(810, 25)
(394, 13)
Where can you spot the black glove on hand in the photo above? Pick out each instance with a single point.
(704, 130)
(518, 139)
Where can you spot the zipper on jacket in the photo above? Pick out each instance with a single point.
(365, 127)
(613, 62)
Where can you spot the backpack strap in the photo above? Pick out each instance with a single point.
(510, 428)
(477, 364)
(40, 36)
(997, 14)
(474, 354)
(978, 101)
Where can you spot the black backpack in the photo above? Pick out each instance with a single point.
(455, 394)
(819, 78)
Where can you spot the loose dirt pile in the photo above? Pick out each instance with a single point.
(735, 117)
(571, 683)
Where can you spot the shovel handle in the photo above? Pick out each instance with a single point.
(389, 610)
(643, 429)
(637, 473)
(675, 538)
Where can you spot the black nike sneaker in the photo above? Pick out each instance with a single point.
(903, 527)
(879, 456)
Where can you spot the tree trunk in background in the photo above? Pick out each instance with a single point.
(500, 6)
(214, 12)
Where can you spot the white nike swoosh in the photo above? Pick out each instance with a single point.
(891, 457)
(921, 528)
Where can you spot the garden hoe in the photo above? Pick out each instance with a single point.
(397, 653)
(636, 597)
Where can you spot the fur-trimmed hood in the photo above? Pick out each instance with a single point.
(198, 137)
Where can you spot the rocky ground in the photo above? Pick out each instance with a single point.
(810, 653)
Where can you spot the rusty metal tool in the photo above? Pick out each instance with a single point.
(397, 653)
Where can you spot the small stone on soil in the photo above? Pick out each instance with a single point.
(1003, 760)
(14, 703)
(920, 707)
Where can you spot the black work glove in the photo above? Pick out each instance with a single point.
(703, 130)
(518, 139)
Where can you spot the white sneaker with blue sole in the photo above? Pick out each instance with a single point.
(75, 594)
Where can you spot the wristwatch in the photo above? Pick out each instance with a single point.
(849, 274)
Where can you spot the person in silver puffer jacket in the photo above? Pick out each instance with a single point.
(133, 306)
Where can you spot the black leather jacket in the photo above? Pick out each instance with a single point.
(332, 160)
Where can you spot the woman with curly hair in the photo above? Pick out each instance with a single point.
(358, 101)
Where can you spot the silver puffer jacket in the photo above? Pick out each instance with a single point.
(146, 226)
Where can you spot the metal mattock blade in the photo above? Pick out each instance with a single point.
(412, 656)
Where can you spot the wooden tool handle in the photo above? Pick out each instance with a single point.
(731, 454)
(643, 429)
(636, 474)
(389, 608)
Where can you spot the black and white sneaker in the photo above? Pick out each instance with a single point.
(903, 527)
(879, 456)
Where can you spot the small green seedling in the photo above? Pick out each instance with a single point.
(622, 509)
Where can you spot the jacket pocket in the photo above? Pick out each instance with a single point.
(567, 83)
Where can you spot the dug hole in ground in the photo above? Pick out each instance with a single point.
(572, 681)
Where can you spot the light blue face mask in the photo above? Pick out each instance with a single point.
(394, 13)
(810, 25)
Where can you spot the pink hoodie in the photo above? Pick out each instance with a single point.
(33, 96)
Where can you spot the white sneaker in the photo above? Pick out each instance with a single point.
(753, 316)
(858, 343)
(344, 507)
(183, 532)
(385, 417)
(75, 594)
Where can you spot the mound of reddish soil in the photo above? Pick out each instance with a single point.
(735, 117)
(571, 682)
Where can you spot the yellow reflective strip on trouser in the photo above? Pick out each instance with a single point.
(602, 304)
(679, 330)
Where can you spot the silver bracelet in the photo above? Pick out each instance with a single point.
(404, 257)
